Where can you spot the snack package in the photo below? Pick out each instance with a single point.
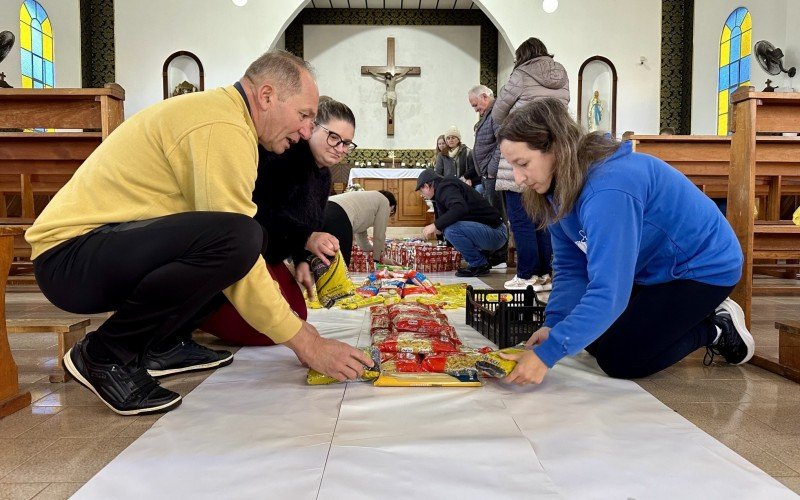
(316, 378)
(356, 302)
(418, 343)
(400, 362)
(458, 362)
(493, 366)
(332, 282)
(427, 380)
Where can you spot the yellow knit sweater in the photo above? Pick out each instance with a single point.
(191, 153)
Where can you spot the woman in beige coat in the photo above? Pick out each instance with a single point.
(535, 75)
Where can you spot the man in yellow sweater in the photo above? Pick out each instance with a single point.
(158, 221)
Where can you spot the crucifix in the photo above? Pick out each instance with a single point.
(391, 75)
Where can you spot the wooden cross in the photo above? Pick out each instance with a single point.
(390, 74)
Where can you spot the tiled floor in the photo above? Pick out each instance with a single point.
(51, 448)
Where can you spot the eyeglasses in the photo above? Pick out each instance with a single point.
(335, 139)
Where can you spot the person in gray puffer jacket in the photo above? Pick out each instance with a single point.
(536, 75)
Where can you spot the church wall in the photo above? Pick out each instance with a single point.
(65, 19)
(792, 46)
(620, 31)
(770, 20)
(505, 62)
(226, 38)
(426, 105)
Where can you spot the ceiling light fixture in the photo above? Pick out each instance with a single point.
(239, 3)
(549, 6)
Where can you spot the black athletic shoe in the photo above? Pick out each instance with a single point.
(499, 256)
(127, 391)
(188, 356)
(472, 272)
(735, 343)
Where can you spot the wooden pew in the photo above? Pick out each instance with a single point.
(11, 398)
(33, 165)
(705, 160)
(756, 112)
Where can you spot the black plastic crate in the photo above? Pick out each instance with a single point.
(506, 323)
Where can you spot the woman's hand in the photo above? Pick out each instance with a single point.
(302, 273)
(322, 245)
(529, 370)
(538, 337)
(387, 261)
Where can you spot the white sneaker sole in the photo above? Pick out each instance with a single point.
(81, 380)
(194, 368)
(737, 316)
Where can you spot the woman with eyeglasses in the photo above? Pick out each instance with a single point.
(291, 192)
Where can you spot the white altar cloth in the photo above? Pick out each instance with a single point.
(255, 430)
(383, 173)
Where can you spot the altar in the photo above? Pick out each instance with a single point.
(412, 211)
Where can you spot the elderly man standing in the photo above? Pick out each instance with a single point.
(158, 221)
(486, 153)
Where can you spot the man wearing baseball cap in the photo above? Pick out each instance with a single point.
(468, 221)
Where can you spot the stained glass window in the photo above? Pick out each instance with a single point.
(36, 46)
(735, 47)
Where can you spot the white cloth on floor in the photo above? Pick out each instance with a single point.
(255, 430)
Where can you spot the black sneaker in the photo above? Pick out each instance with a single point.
(127, 391)
(472, 272)
(499, 256)
(735, 343)
(188, 356)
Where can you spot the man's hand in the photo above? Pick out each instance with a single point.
(429, 231)
(529, 369)
(538, 337)
(302, 273)
(330, 357)
(322, 245)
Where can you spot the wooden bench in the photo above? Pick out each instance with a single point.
(754, 113)
(705, 160)
(11, 399)
(68, 331)
(787, 364)
(34, 166)
(789, 346)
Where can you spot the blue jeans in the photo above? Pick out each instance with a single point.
(472, 239)
(534, 249)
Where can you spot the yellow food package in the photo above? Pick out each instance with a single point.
(425, 380)
(356, 302)
(332, 282)
(316, 378)
(493, 366)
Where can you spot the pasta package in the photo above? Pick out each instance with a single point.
(493, 366)
(332, 282)
(316, 378)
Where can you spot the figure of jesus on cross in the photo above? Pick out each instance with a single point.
(391, 75)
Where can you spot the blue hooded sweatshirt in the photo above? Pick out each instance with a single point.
(637, 220)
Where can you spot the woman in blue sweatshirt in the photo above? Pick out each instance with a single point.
(643, 260)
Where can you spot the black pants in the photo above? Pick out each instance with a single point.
(338, 224)
(161, 276)
(661, 325)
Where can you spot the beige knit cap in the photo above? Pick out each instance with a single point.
(453, 131)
